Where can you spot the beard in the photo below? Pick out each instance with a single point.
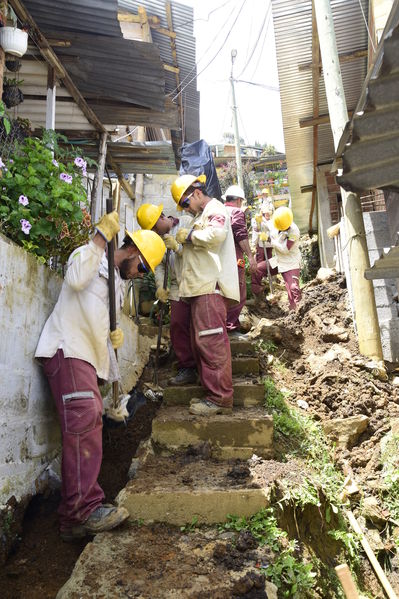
(124, 268)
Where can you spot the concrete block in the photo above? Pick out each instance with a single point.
(246, 394)
(242, 366)
(383, 296)
(249, 428)
(44, 437)
(242, 347)
(174, 490)
(390, 339)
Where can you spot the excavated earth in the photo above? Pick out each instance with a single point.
(319, 365)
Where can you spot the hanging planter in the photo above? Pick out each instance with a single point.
(14, 40)
(12, 95)
(13, 65)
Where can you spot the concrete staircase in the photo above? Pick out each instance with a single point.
(182, 472)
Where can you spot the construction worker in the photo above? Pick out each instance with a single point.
(234, 197)
(266, 200)
(151, 216)
(209, 279)
(76, 348)
(262, 227)
(285, 242)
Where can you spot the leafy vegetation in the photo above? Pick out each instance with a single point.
(390, 463)
(44, 206)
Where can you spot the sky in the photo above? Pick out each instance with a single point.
(246, 26)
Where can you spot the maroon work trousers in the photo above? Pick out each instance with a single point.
(233, 313)
(180, 316)
(79, 405)
(291, 280)
(211, 347)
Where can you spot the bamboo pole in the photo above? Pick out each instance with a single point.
(3, 17)
(363, 290)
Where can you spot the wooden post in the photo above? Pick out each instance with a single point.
(97, 191)
(50, 100)
(363, 292)
(315, 86)
(3, 17)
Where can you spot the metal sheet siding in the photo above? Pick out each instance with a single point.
(293, 32)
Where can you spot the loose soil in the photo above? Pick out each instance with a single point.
(317, 366)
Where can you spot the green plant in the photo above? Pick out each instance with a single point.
(44, 206)
(291, 575)
(190, 527)
(266, 345)
(4, 120)
(10, 82)
(390, 473)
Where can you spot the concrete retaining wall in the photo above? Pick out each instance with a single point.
(29, 431)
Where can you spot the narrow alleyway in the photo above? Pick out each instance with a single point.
(194, 472)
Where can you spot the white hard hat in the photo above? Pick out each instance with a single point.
(234, 191)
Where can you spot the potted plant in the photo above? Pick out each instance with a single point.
(14, 40)
(12, 95)
(13, 64)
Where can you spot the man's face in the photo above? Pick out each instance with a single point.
(163, 225)
(195, 202)
(132, 267)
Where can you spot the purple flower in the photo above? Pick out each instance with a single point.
(23, 200)
(80, 162)
(2, 165)
(55, 162)
(65, 177)
(10, 160)
(25, 226)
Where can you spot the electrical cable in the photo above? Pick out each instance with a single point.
(200, 19)
(217, 54)
(263, 45)
(269, 87)
(256, 43)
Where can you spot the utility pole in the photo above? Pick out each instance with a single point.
(363, 291)
(236, 134)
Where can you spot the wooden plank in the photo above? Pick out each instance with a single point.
(53, 60)
(315, 95)
(168, 10)
(153, 21)
(320, 120)
(97, 191)
(124, 183)
(171, 68)
(344, 57)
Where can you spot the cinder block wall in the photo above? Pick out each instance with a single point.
(29, 430)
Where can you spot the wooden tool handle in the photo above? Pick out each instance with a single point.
(345, 577)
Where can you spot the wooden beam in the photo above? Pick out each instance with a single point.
(48, 53)
(168, 10)
(3, 18)
(124, 183)
(315, 93)
(97, 191)
(153, 21)
(320, 120)
(171, 68)
(306, 188)
(344, 57)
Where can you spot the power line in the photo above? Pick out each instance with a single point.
(263, 45)
(256, 43)
(217, 53)
(200, 19)
(269, 87)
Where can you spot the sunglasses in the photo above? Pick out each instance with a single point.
(186, 202)
(142, 267)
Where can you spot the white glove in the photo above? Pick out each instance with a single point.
(171, 243)
(162, 294)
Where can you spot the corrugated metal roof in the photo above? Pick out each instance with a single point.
(102, 66)
(370, 143)
(85, 16)
(182, 17)
(293, 33)
(150, 157)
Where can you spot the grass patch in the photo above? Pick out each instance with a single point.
(390, 474)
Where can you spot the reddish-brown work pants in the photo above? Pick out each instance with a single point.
(180, 333)
(233, 313)
(79, 405)
(211, 347)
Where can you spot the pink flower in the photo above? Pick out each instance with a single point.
(55, 162)
(25, 226)
(65, 177)
(23, 200)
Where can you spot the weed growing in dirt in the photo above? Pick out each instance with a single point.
(289, 573)
(390, 463)
(190, 527)
(266, 345)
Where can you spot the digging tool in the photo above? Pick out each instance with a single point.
(269, 276)
(112, 306)
(165, 285)
(136, 314)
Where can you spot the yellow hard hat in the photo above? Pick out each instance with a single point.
(182, 183)
(148, 214)
(150, 246)
(265, 191)
(282, 218)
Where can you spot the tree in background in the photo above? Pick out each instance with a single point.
(227, 175)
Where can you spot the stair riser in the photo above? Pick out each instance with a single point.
(244, 395)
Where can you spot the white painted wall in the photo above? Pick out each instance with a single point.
(29, 431)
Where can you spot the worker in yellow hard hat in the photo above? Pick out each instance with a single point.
(76, 348)
(209, 282)
(285, 242)
(151, 216)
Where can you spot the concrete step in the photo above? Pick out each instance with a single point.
(242, 347)
(238, 435)
(245, 365)
(179, 488)
(246, 394)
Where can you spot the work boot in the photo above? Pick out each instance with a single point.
(184, 376)
(105, 517)
(207, 408)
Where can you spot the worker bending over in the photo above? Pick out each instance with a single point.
(262, 228)
(76, 348)
(285, 242)
(209, 279)
(234, 197)
(151, 216)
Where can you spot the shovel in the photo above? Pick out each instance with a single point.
(269, 276)
(112, 306)
(165, 285)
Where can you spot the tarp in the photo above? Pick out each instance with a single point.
(197, 159)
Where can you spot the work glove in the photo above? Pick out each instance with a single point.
(171, 243)
(116, 338)
(258, 218)
(263, 236)
(108, 225)
(162, 294)
(182, 235)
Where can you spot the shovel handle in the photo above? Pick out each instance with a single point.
(269, 275)
(165, 284)
(112, 303)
